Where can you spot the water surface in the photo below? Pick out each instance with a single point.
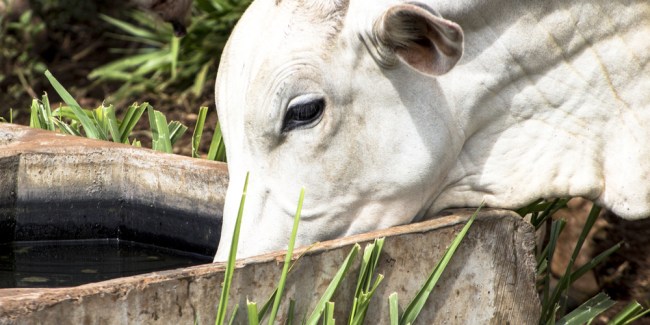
(63, 263)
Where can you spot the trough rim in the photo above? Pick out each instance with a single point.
(17, 302)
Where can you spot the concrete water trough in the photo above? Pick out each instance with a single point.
(59, 187)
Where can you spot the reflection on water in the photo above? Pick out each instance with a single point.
(39, 264)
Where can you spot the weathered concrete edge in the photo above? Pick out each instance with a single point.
(21, 302)
(48, 167)
(17, 140)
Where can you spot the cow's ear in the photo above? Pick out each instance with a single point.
(422, 39)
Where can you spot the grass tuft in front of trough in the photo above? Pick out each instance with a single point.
(367, 281)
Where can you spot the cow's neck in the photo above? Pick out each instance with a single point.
(548, 119)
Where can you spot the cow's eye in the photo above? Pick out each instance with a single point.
(302, 113)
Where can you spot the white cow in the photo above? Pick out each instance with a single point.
(389, 111)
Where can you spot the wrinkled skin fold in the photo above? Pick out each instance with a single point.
(401, 109)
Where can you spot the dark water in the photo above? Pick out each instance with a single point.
(40, 264)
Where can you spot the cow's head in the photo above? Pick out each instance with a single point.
(340, 98)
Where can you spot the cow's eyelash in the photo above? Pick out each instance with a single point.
(303, 114)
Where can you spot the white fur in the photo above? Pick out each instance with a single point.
(550, 99)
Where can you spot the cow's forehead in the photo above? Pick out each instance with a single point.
(269, 39)
(272, 29)
(266, 41)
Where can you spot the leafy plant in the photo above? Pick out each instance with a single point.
(162, 59)
(65, 36)
(102, 123)
(324, 309)
(554, 299)
(19, 67)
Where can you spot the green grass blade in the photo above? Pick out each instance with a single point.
(198, 131)
(251, 307)
(329, 314)
(199, 81)
(542, 210)
(66, 112)
(556, 229)
(89, 128)
(565, 281)
(101, 122)
(630, 312)
(176, 131)
(34, 120)
(217, 149)
(231, 321)
(542, 267)
(542, 256)
(131, 118)
(130, 28)
(113, 124)
(529, 208)
(173, 53)
(153, 65)
(287, 259)
(334, 284)
(268, 304)
(545, 210)
(291, 313)
(144, 19)
(393, 308)
(164, 139)
(47, 113)
(355, 307)
(118, 69)
(413, 309)
(232, 256)
(365, 288)
(587, 311)
(364, 302)
(638, 316)
(65, 128)
(372, 264)
(160, 136)
(363, 269)
(595, 261)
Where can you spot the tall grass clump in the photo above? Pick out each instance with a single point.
(163, 60)
(102, 123)
(367, 282)
(554, 297)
